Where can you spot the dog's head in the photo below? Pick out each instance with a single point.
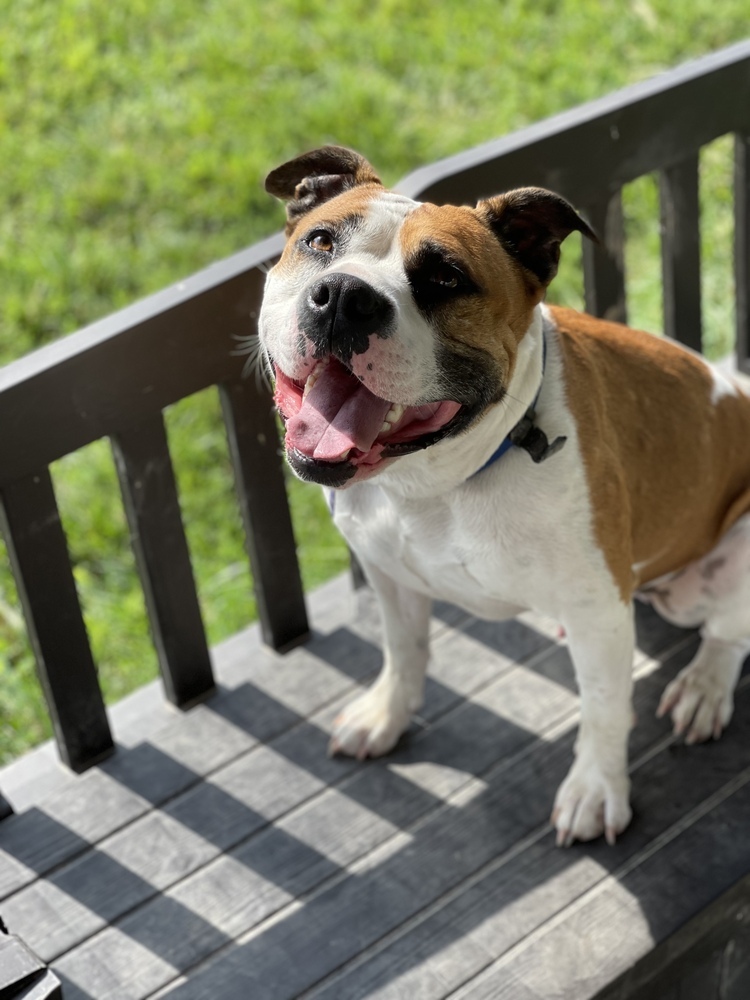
(392, 324)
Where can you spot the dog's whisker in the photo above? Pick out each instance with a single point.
(257, 359)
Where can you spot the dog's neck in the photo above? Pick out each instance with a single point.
(449, 463)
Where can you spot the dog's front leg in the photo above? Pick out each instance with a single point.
(593, 799)
(371, 724)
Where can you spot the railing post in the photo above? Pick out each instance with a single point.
(604, 265)
(149, 491)
(254, 448)
(39, 556)
(680, 252)
(742, 248)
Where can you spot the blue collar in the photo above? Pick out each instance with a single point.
(526, 434)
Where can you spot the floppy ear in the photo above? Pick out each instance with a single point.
(531, 223)
(317, 176)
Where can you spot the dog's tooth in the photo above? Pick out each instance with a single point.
(312, 378)
(385, 428)
(394, 414)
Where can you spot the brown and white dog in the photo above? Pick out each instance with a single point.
(503, 455)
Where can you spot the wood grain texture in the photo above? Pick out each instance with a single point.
(198, 862)
(355, 843)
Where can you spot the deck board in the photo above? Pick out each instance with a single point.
(221, 853)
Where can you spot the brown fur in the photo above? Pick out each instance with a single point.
(317, 176)
(496, 320)
(668, 470)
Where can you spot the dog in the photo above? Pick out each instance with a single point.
(483, 448)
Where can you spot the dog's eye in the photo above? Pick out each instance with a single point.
(320, 240)
(446, 276)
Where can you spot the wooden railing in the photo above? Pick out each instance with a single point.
(114, 378)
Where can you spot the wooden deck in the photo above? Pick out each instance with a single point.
(221, 854)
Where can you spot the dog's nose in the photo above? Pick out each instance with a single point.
(340, 312)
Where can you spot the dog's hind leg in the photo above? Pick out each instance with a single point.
(371, 724)
(713, 592)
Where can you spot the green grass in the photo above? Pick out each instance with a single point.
(134, 139)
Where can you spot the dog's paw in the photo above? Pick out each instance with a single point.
(371, 725)
(589, 803)
(700, 701)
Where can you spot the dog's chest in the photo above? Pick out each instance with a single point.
(471, 554)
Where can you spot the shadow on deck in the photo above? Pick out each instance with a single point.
(221, 853)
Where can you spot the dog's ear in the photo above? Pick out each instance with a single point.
(531, 223)
(317, 176)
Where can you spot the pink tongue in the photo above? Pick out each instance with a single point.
(337, 414)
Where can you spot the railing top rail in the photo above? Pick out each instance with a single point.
(128, 366)
(92, 336)
(611, 129)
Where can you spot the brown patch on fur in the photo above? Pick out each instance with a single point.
(494, 320)
(668, 470)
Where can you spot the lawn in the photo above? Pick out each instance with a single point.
(134, 139)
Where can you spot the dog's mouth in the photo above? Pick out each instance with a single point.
(336, 428)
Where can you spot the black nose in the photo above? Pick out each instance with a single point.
(340, 312)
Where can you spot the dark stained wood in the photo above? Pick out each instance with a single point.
(606, 143)
(680, 252)
(131, 365)
(604, 265)
(742, 246)
(255, 451)
(152, 506)
(39, 556)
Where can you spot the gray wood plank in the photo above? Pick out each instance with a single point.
(518, 896)
(156, 851)
(398, 794)
(175, 760)
(313, 844)
(604, 934)
(56, 914)
(181, 753)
